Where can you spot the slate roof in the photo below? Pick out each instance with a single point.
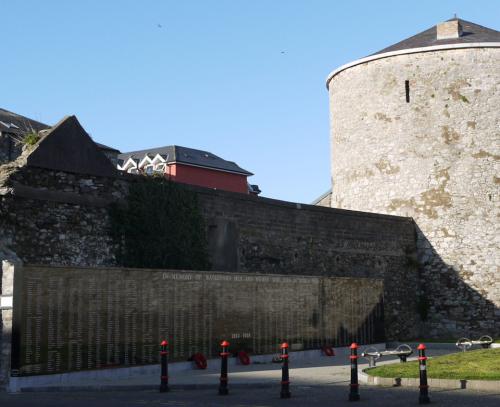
(188, 156)
(15, 123)
(471, 33)
(321, 197)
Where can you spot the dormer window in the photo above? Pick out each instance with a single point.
(9, 125)
(188, 166)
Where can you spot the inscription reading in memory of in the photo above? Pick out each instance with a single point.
(81, 318)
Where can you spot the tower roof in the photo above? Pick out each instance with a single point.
(471, 33)
(452, 34)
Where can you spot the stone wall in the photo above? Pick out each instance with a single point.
(7, 269)
(59, 218)
(265, 235)
(10, 147)
(434, 158)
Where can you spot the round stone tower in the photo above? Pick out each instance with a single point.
(415, 131)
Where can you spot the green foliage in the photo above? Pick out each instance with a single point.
(31, 138)
(159, 227)
(431, 340)
(481, 364)
(437, 340)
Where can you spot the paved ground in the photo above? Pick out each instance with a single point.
(316, 371)
(318, 382)
(333, 395)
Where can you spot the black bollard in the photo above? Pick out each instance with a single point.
(424, 387)
(354, 386)
(223, 368)
(164, 367)
(285, 378)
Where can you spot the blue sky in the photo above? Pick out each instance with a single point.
(242, 79)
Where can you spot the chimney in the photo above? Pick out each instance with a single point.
(448, 30)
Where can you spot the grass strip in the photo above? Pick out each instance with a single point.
(441, 340)
(481, 364)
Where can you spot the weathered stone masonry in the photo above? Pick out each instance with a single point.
(54, 217)
(434, 158)
(60, 218)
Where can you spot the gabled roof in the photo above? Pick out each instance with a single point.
(472, 33)
(68, 147)
(15, 123)
(188, 156)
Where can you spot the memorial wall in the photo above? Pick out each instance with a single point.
(70, 319)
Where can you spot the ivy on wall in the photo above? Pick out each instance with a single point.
(159, 226)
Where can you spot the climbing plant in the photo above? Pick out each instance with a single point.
(159, 226)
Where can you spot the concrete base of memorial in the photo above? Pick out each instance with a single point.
(486, 385)
(111, 378)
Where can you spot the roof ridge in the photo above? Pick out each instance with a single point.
(191, 156)
(22, 118)
(473, 33)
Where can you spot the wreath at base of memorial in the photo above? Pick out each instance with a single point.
(243, 357)
(200, 360)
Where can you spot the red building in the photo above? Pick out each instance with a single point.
(188, 166)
